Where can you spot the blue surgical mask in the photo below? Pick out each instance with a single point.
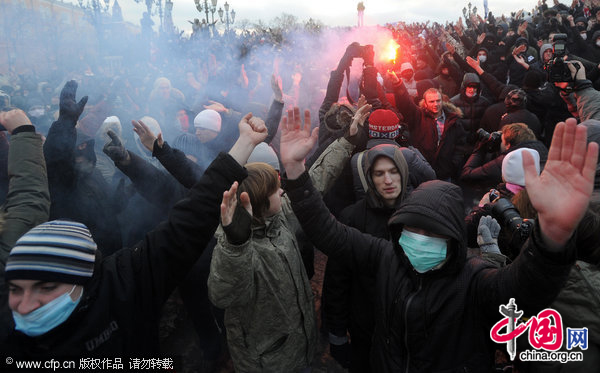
(423, 252)
(47, 317)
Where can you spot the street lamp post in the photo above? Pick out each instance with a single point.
(229, 16)
(212, 8)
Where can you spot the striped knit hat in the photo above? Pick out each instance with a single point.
(56, 251)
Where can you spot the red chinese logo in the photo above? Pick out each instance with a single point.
(545, 329)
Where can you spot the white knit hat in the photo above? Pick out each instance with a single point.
(512, 166)
(264, 153)
(208, 119)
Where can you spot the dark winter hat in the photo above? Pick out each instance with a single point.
(521, 41)
(581, 19)
(56, 251)
(384, 124)
(517, 98)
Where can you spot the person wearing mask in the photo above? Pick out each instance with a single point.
(434, 306)
(471, 103)
(68, 300)
(407, 73)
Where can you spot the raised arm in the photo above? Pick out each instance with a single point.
(326, 233)
(28, 199)
(165, 256)
(59, 147)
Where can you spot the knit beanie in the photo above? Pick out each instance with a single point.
(208, 119)
(56, 251)
(110, 123)
(265, 154)
(383, 124)
(512, 168)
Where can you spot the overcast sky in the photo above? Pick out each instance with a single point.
(331, 12)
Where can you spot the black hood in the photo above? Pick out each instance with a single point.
(436, 206)
(470, 78)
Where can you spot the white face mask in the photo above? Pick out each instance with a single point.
(598, 42)
(584, 36)
(482, 58)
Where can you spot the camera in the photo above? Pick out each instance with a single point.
(558, 69)
(365, 51)
(559, 43)
(356, 50)
(517, 228)
(491, 141)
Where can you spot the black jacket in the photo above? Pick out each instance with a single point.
(439, 320)
(471, 107)
(119, 312)
(489, 174)
(82, 196)
(347, 291)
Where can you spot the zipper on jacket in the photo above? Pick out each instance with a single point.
(408, 302)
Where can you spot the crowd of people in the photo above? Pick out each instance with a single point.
(440, 184)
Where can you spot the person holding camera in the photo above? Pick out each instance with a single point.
(483, 172)
(587, 98)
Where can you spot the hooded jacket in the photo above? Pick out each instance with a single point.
(348, 293)
(419, 170)
(516, 72)
(439, 320)
(471, 107)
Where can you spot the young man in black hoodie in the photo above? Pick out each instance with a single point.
(434, 306)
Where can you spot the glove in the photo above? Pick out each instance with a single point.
(240, 229)
(360, 139)
(487, 235)
(341, 354)
(68, 108)
(352, 51)
(115, 149)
